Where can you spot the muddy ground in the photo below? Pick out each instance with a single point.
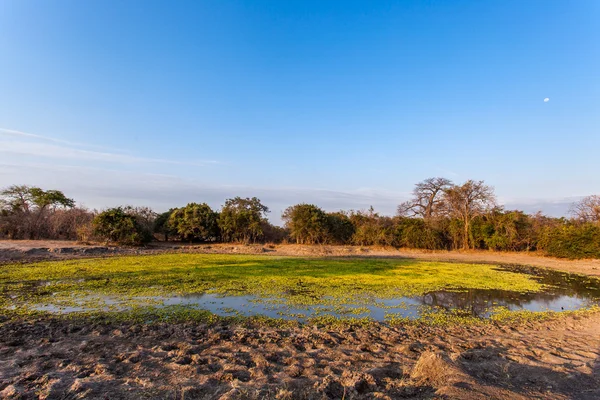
(57, 359)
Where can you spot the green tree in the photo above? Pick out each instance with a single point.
(120, 226)
(162, 226)
(339, 228)
(242, 220)
(195, 222)
(306, 223)
(510, 230)
(273, 233)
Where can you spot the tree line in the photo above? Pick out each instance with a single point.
(440, 215)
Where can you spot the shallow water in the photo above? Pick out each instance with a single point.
(563, 292)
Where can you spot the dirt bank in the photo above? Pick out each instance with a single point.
(34, 250)
(60, 360)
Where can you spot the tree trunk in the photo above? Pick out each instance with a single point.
(466, 235)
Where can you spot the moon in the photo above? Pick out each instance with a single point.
(547, 99)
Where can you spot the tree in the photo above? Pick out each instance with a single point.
(587, 209)
(26, 207)
(468, 201)
(502, 230)
(144, 215)
(273, 233)
(195, 222)
(370, 228)
(120, 225)
(427, 199)
(161, 224)
(242, 220)
(306, 223)
(69, 224)
(416, 233)
(339, 228)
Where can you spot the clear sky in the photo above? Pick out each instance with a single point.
(340, 103)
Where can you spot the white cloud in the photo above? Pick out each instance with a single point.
(48, 147)
(547, 99)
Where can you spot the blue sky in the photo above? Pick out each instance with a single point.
(343, 103)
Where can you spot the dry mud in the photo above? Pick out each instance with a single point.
(52, 359)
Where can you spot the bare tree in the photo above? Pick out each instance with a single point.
(427, 198)
(587, 209)
(468, 201)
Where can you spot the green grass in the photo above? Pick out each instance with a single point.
(285, 280)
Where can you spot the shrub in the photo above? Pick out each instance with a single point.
(370, 228)
(119, 226)
(339, 228)
(195, 222)
(418, 234)
(572, 241)
(273, 233)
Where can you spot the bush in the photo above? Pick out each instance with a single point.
(273, 233)
(572, 241)
(307, 223)
(370, 229)
(195, 222)
(418, 234)
(119, 226)
(339, 228)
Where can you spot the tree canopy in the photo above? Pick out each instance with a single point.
(195, 222)
(242, 220)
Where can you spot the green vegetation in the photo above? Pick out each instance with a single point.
(282, 280)
(440, 215)
(261, 275)
(243, 220)
(195, 222)
(573, 241)
(121, 225)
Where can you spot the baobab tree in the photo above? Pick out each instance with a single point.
(587, 209)
(467, 201)
(427, 199)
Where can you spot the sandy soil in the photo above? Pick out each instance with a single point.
(54, 359)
